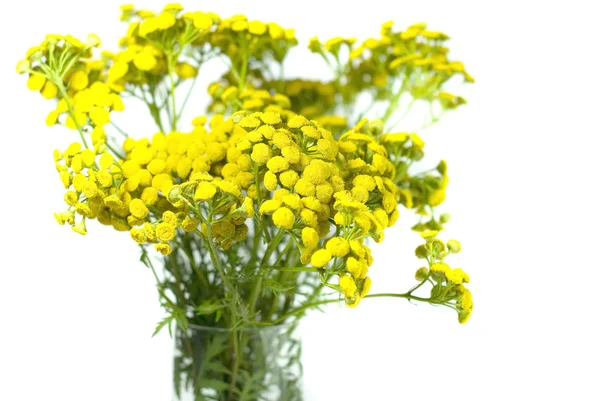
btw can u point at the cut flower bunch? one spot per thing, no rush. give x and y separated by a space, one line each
268 205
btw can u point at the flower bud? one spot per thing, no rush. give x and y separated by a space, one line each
23 66
422 274
422 252
453 246
174 193
94 40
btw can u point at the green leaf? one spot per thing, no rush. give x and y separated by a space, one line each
275 286
215 384
162 324
208 307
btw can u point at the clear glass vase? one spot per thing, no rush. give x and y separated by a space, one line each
250 364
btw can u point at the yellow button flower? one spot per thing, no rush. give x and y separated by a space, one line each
366 287
284 218
138 209
164 248
347 285
165 232
310 238
320 258
289 178
269 206
79 80
305 187
261 153
270 117
277 164
270 181
205 191
338 247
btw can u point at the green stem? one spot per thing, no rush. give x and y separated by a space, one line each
63 93
170 68
293 269
119 130
256 290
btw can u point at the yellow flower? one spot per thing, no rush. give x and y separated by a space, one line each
261 153
79 80
365 181
189 224
163 248
104 178
440 267
347 285
338 247
320 258
185 70
310 238
270 181
71 198
291 154
366 287
270 117
289 178
284 218
149 196
324 192
138 235
277 164
36 82
269 206
229 188
138 209
309 218
437 197
292 201
305 187
165 232
316 172
145 60
257 28
357 268
205 191
80 228
49 91
100 116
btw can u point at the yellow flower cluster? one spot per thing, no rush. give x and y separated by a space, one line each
311 99
154 41
78 83
228 98
416 56
239 38
283 154
449 282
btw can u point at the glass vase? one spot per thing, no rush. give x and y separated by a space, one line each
249 364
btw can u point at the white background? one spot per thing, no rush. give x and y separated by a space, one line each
77 313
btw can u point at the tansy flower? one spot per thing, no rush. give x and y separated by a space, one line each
366 287
284 218
138 209
261 153
163 248
310 238
347 285
165 232
320 258
205 191
338 247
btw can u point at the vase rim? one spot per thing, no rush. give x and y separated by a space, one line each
197 327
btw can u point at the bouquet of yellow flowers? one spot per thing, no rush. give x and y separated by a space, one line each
266 207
